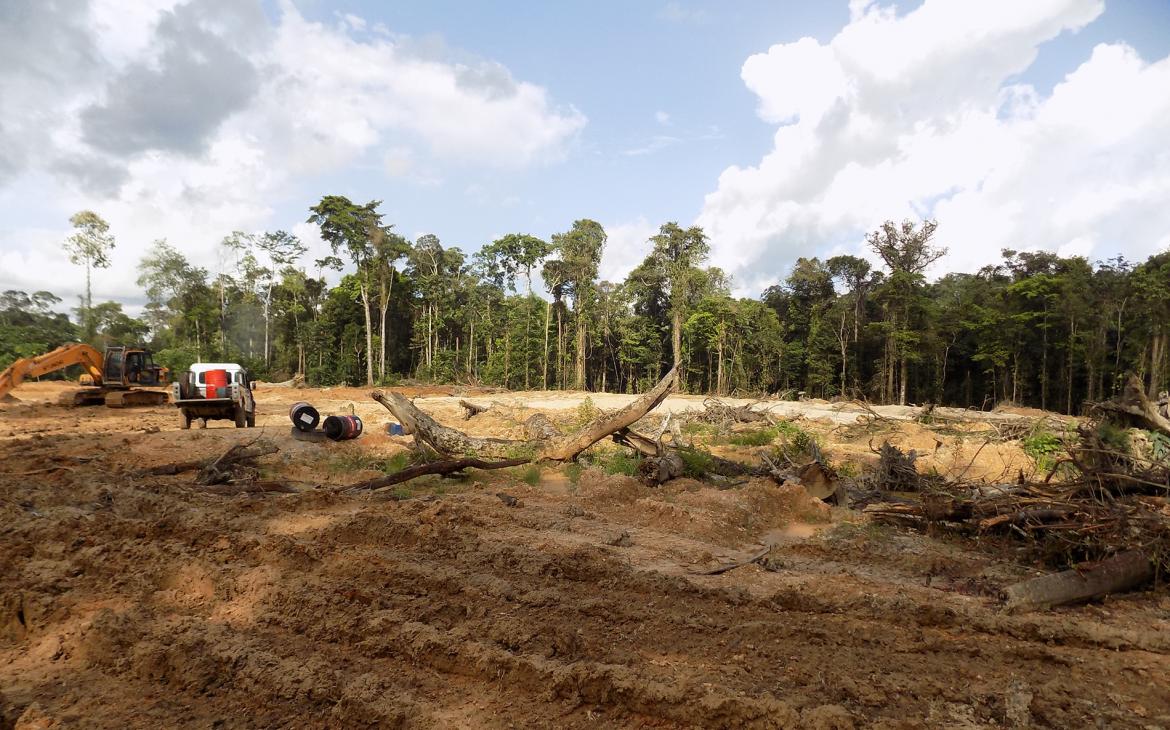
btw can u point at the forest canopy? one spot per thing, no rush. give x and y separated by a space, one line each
1036 329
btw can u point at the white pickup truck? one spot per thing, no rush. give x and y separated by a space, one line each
233 402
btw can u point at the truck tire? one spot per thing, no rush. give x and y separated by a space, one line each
241 417
184 420
251 419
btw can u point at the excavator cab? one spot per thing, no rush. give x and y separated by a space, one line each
132 366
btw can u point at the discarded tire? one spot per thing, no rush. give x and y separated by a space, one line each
304 416
343 428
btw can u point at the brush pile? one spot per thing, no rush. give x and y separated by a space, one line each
1107 499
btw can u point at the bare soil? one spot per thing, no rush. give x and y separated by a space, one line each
130 601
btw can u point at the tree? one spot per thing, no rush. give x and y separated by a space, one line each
580 250
281 249
89 246
353 229
907 251
502 260
389 249
678 252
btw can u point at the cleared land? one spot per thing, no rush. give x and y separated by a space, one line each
148 602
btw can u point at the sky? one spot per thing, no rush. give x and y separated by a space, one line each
784 129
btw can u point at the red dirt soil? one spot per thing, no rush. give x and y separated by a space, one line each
131 601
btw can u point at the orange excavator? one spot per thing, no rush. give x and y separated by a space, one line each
113 377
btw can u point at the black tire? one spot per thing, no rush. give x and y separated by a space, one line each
252 419
184 420
241 417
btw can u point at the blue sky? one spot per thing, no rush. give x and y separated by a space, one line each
1030 125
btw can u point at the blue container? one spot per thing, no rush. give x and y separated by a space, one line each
395 429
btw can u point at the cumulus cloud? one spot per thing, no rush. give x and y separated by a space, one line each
190 119
627 245
919 115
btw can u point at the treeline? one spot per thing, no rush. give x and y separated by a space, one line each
1036 329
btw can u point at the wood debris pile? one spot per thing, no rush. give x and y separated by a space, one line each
1100 507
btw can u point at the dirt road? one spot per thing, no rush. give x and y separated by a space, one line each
130 601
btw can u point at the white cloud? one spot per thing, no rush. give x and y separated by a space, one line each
918 114
626 245
323 100
662 118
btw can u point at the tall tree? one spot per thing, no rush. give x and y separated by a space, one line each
907 251
580 251
89 246
507 257
280 249
352 229
679 252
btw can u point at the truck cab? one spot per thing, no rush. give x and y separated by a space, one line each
196 402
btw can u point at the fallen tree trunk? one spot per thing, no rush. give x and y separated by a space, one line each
451 442
1117 574
435 467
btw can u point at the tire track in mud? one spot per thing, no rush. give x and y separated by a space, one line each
418 614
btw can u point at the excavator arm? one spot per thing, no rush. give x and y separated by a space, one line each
62 357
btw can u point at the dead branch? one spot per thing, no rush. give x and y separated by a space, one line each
471 409
450 466
250 488
240 454
220 470
757 557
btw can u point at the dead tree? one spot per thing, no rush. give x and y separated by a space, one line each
550 445
1134 403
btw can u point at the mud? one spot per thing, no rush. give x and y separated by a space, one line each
144 602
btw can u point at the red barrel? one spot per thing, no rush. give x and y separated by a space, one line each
214 381
304 416
343 428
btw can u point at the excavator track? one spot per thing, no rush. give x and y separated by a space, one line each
131 398
83 397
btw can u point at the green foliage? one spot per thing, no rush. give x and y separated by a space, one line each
758 437
697 463
1043 445
796 444
587 411
618 462
397 462
1113 437
531 475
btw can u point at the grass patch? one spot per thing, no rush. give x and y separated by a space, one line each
695 428
696 462
587 411
796 444
618 462
760 437
531 475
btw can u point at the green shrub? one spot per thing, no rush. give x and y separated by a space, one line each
586 411
531 475
619 462
696 462
1042 446
796 444
761 437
